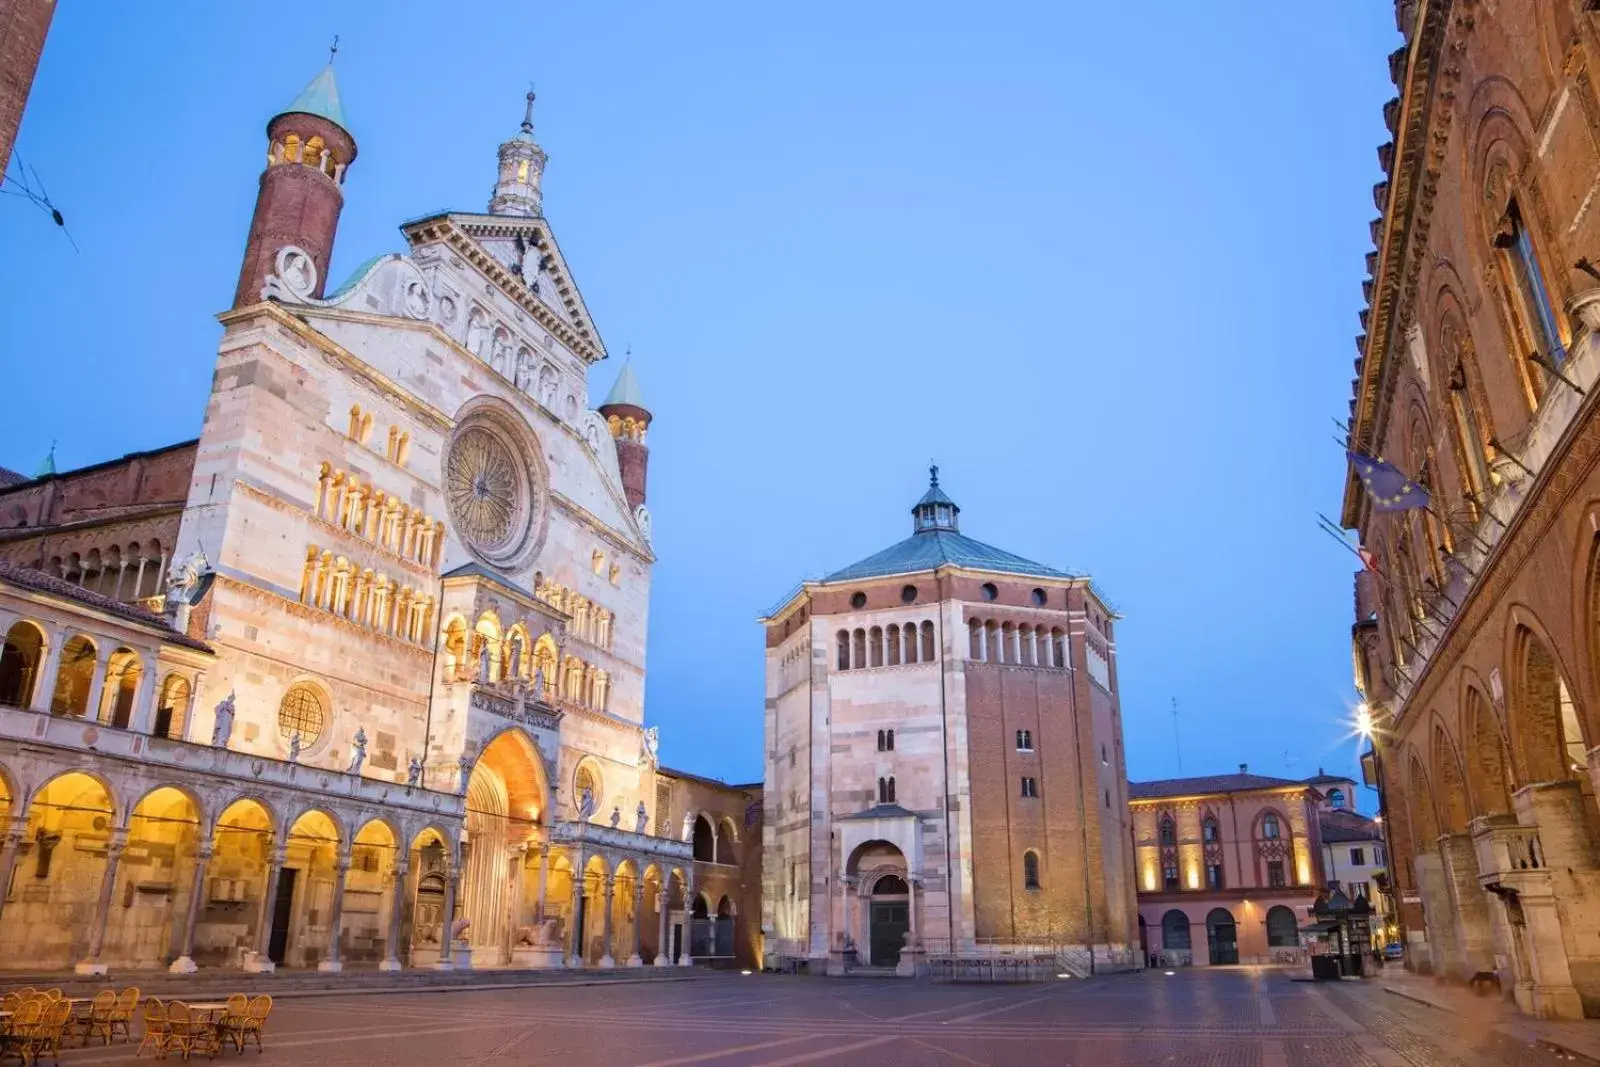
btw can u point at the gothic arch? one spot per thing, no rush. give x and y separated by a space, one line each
1487 754
1454 810
1424 813
1538 697
1586 609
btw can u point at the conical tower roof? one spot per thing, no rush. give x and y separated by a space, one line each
320 98
625 390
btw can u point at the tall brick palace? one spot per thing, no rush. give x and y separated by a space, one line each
945 770
360 674
1477 375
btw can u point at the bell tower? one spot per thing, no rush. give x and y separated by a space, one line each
309 150
628 418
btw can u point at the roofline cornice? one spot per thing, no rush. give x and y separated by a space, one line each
1413 182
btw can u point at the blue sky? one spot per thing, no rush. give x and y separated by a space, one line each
1105 271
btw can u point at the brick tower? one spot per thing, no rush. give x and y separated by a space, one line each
309 151
629 419
23 26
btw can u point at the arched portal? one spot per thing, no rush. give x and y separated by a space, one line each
74 676
235 884
881 873
20 660
1283 931
430 871
124 672
148 921
1175 935
303 903
507 796
592 922
705 840
368 902
1222 937
65 849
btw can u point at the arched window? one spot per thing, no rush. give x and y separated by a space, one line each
892 639
875 640
1024 740
1175 931
1030 869
302 712
858 656
1269 827
19 664
174 702
1282 929
1208 830
704 846
1536 311
889 741
1169 832
890 885
975 649
1336 797
886 790
844 650
927 642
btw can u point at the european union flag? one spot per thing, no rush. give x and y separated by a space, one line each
1390 488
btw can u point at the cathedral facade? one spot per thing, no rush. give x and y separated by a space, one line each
944 768
360 674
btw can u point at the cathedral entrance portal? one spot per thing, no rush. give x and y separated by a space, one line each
507 796
890 920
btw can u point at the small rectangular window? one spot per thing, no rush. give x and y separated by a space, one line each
1103 761
1275 877
1024 740
1169 878
1358 857
1213 876
1030 787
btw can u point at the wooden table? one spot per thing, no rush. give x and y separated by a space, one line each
212 1010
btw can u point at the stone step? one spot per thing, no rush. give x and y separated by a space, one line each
208 984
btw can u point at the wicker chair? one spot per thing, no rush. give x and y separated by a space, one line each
234 1019
98 1019
180 1028
15 1040
44 1036
157 1030
122 1014
255 1020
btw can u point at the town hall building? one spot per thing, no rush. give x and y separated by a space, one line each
944 762
359 675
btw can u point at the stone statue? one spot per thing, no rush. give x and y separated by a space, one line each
414 772
547 934
586 804
641 819
294 747
358 751
616 816
465 765
182 579
499 351
222 727
516 656
651 745
484 662
458 929
477 332
538 684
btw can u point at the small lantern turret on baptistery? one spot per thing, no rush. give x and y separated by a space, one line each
628 418
516 191
309 150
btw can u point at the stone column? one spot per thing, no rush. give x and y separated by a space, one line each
391 947
1550 995
636 960
1439 914
97 685
1474 935
911 953
185 964
341 874
44 687
10 841
607 956
91 964
544 878
663 942
187 733
144 701
447 940
518 860
575 935
258 962
686 957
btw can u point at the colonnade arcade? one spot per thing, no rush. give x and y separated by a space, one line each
107 870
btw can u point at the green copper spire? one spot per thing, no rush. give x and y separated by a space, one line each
320 98
625 390
49 464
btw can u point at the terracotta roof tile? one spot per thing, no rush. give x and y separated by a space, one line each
1211 783
40 582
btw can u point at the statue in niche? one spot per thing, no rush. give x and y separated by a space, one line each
586 804
616 816
650 744
414 772
547 386
485 663
294 747
477 331
358 751
538 684
516 656
500 351
641 819
222 726
524 370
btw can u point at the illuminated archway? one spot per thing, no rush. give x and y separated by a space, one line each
508 793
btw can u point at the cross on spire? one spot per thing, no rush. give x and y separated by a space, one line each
333 49
527 116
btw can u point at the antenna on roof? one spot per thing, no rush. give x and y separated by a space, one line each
1177 739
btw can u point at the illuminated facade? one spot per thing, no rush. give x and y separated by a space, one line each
1229 866
945 770
403 585
1477 630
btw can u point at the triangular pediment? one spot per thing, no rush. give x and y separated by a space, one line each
521 256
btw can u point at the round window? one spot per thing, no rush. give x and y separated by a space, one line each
858 600
302 712
908 594
494 492
1039 597
990 592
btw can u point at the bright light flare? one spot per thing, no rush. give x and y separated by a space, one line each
1363 721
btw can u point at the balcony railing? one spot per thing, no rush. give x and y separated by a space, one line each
1507 851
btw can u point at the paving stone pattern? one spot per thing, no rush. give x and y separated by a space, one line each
1230 1017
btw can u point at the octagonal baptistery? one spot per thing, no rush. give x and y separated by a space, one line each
945 771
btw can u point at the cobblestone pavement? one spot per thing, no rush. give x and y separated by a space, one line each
1213 1017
